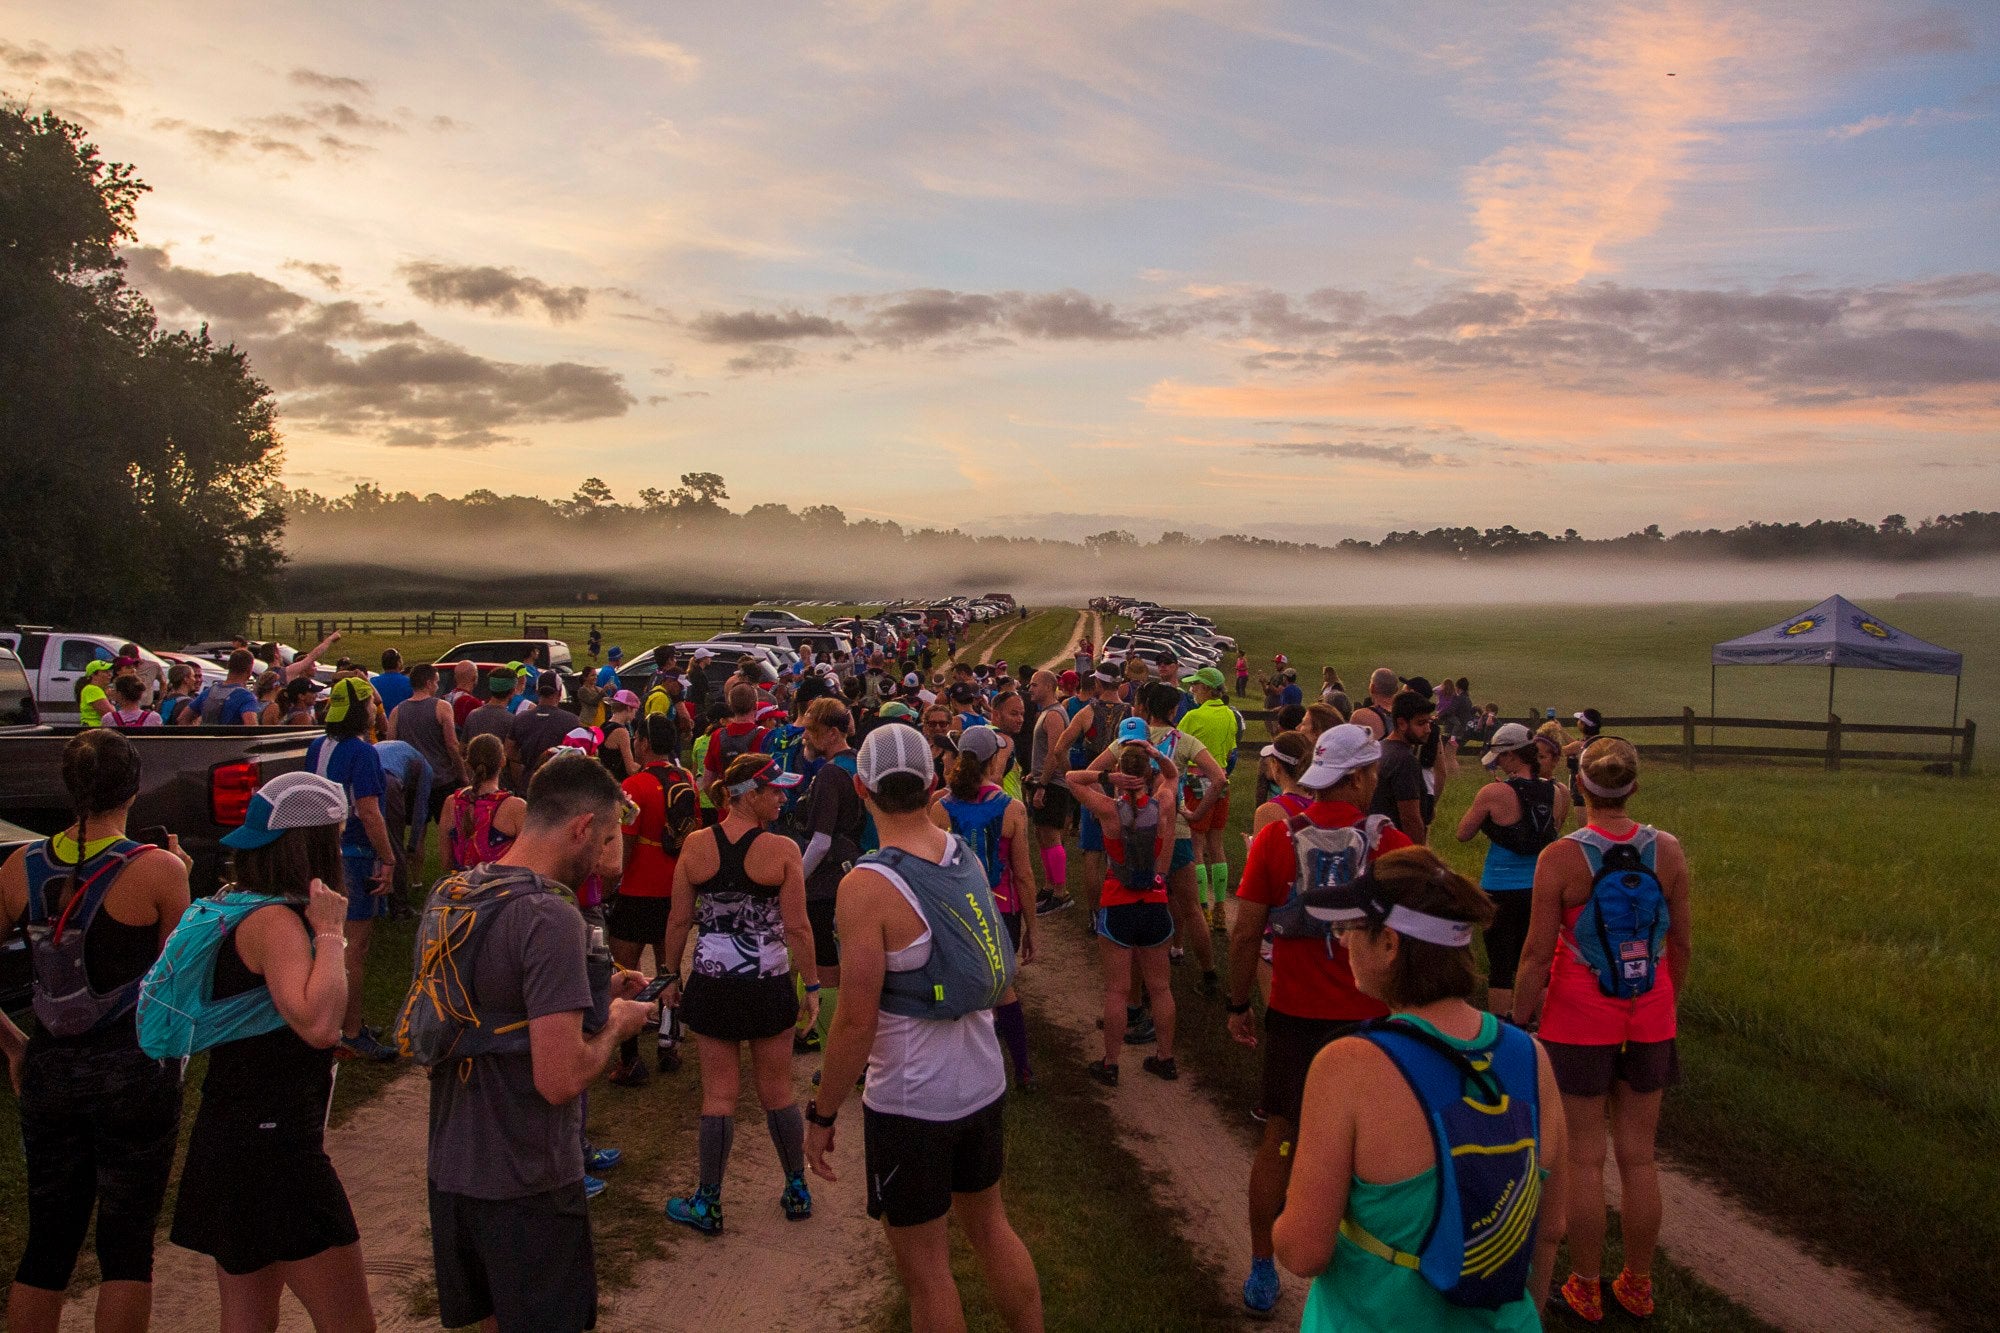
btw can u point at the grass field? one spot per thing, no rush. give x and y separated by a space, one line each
1037 639
1838 1045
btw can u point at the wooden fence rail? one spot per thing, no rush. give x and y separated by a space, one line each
307 630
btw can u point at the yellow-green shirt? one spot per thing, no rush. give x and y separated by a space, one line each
94 704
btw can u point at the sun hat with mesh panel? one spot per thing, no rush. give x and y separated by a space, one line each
286 802
893 749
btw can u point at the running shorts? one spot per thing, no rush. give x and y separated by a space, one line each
525 1262
826 944
356 875
1216 818
1290 1043
1089 833
739 1008
915 1166
1183 855
1506 935
1012 921
1136 925
1589 1071
1056 806
633 920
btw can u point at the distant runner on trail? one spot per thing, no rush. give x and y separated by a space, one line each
1049 799
1520 815
1608 950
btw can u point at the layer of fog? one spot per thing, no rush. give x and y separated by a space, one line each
733 562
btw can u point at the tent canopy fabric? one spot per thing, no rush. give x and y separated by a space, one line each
1837 633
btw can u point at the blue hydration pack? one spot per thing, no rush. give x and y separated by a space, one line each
1623 926
1484 1112
178 1011
972 957
979 824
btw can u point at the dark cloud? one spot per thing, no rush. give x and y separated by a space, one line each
81 83
931 312
337 84
1066 316
752 326
329 275
764 357
336 365
483 287
229 143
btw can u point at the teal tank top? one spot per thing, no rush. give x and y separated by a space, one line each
1359 1293
1506 871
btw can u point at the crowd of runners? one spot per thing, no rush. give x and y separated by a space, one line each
856 860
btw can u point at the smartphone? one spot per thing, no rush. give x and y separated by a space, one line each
156 834
653 990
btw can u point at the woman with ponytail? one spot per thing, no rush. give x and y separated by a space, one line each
99 1120
482 817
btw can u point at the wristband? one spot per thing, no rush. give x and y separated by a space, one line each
813 1115
1235 1009
672 978
812 988
329 935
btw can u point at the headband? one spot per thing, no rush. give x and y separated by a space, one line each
1358 902
1607 793
751 783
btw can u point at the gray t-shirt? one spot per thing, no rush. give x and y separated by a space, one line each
1402 778
540 729
493 1136
489 719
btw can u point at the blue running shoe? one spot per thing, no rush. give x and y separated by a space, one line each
596 1160
1260 1289
592 1187
797 1200
701 1210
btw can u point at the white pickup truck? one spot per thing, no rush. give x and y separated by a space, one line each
55 659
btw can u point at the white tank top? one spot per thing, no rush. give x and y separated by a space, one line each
925 1068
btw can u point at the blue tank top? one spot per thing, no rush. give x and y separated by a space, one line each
978 824
1505 871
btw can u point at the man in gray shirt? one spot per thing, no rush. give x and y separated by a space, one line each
510 1230
1399 793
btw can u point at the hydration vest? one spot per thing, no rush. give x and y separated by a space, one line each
178 1011
979 823
1139 835
1328 859
65 1002
1536 828
1622 928
972 957
483 844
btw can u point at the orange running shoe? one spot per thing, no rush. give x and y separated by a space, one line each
1583 1298
1633 1293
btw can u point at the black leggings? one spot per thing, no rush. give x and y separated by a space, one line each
99 1125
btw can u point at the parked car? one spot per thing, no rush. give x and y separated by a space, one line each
770 618
16 979
55 659
825 643
17 693
499 652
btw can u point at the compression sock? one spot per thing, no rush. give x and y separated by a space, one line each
1011 1021
670 1029
718 1135
1218 882
1204 886
1055 860
829 1000
788 1134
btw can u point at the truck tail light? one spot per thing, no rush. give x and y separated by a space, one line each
230 787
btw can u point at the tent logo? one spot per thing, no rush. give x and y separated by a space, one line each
1869 627
1805 626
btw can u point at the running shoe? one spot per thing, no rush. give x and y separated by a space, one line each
1260 1289
1025 1081
1165 1067
365 1045
592 1187
596 1160
797 1200
1258 1114
1633 1293
805 1043
1103 1073
668 1061
1217 922
1581 1298
1142 1032
1052 902
630 1073
1175 955
701 1210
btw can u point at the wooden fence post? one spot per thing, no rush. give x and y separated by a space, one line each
1965 749
1833 742
1687 737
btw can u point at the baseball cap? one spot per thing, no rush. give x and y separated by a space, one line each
913 680
1339 751
766 710
963 694
95 665
1552 715
347 694
1068 680
1133 729
548 683
1418 685
1208 676
703 655
981 742
887 751
1507 736
894 709
625 699
288 801
586 739
616 653
1280 658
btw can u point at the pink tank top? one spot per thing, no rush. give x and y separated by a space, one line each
1577 1012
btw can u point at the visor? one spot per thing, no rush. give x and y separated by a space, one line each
1359 903
770 775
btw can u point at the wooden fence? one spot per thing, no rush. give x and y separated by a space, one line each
308 630
1696 740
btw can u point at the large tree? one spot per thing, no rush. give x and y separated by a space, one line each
136 465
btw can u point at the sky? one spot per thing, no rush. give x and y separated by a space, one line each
1307 270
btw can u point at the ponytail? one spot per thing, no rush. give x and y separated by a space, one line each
100 771
967 777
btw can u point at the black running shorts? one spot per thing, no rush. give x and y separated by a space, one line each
527 1262
1290 1043
1589 1071
633 920
915 1166
1056 807
826 942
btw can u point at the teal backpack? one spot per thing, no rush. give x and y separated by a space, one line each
178 1012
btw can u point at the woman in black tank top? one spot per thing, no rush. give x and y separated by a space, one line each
258 1191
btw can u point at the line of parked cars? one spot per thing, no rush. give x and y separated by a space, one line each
1157 632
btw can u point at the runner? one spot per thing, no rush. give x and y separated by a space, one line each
131 713
1091 728
425 721
482 817
494 717
738 736
932 1109
1374 712
392 686
617 751
606 678
1134 920
1049 801
1242 674
1333 693
257 1192
1520 815
465 693
93 699
1400 792
228 702
266 687
181 680
995 826
99 1119
1368 1187
834 824
1219 728
664 793
1607 1012
742 890
1313 996
537 730
1281 764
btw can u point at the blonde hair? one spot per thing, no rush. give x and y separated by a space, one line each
1607 764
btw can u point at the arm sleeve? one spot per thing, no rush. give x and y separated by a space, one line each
816 851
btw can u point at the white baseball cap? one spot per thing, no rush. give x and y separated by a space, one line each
1508 736
288 801
1339 751
888 750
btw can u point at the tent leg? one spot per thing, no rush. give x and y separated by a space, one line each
1957 749
1829 689
1711 703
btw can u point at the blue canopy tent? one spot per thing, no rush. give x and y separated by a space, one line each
1836 634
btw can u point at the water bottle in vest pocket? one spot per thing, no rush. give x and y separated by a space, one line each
1484 1115
972 957
1329 859
1622 928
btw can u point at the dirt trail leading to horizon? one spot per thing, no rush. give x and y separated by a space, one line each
1066 656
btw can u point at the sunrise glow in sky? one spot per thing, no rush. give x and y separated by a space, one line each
1308 270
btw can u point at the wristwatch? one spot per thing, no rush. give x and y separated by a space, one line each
813 1115
1242 1008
